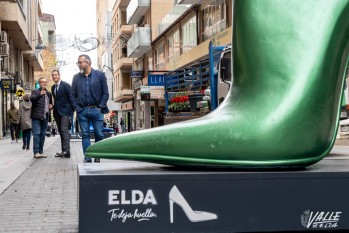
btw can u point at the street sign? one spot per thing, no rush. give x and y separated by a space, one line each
137 74
6 84
20 92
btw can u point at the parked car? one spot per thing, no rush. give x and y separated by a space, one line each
108 132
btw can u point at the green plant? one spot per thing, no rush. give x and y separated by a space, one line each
180 102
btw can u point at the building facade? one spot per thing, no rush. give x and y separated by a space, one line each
20 32
48 25
153 37
105 53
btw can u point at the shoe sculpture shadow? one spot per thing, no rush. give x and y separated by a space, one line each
290 60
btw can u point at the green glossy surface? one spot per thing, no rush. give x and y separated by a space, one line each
289 64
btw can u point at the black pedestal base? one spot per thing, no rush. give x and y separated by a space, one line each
139 197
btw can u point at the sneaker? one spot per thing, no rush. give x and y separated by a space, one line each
13 141
97 160
37 155
16 140
87 160
44 155
27 148
23 147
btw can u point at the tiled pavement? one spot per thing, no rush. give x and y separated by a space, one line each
44 197
40 195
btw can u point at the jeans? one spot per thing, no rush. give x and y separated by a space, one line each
26 134
39 133
63 129
14 128
86 117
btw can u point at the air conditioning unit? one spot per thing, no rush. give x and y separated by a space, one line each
3 37
5 63
4 49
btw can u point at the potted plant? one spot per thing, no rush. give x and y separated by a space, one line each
179 103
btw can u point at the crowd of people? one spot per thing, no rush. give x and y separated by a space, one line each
88 96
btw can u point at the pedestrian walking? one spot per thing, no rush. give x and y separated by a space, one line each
62 111
116 128
41 105
25 121
54 128
12 116
89 94
122 125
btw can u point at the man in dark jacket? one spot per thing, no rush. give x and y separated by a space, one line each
89 95
41 105
62 111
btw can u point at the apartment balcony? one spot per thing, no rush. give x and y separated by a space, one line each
13 21
124 3
41 34
176 12
136 10
123 95
35 60
189 1
126 29
139 43
124 63
40 13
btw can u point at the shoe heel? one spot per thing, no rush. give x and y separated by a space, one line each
171 210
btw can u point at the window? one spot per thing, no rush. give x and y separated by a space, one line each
174 46
150 63
160 57
126 81
189 35
23 7
214 19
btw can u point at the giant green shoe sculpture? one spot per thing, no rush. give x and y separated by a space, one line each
289 63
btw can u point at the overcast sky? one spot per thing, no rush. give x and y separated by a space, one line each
72 17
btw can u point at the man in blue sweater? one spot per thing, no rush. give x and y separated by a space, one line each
89 96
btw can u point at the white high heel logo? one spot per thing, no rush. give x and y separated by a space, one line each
193 215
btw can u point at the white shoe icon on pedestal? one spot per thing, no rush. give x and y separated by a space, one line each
193 215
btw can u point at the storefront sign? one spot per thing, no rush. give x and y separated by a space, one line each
156 80
137 74
157 92
137 84
6 84
127 105
222 38
145 93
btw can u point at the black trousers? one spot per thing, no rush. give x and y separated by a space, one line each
15 131
63 129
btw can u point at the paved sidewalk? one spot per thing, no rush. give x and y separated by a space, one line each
14 161
44 197
40 195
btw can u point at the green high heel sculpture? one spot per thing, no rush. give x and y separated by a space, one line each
289 63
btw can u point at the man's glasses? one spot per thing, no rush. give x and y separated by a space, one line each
80 62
